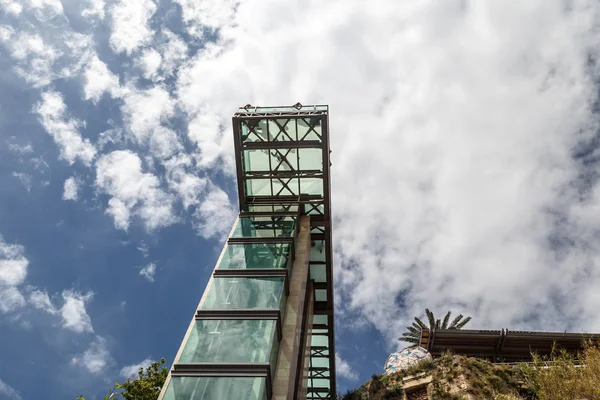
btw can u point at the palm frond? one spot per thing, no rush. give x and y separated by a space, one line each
455 321
463 323
414 330
438 324
431 318
446 318
409 340
421 323
417 326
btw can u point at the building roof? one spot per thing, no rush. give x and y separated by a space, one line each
501 345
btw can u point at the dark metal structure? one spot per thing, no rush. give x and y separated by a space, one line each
501 345
283 169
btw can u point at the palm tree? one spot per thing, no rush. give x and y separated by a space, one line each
413 332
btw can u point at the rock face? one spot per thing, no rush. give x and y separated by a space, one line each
446 378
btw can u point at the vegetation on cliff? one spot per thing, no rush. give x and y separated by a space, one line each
562 376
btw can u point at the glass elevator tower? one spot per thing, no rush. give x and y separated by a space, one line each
264 327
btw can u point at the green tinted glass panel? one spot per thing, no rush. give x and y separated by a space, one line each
320 319
256 160
317 250
231 341
282 130
321 383
310 210
320 362
309 128
267 227
213 388
318 272
291 208
244 293
318 340
255 255
254 131
312 186
311 159
258 187
320 295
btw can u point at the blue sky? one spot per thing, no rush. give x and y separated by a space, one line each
464 177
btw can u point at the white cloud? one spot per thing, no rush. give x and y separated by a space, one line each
52 8
11 6
99 79
95 8
215 214
343 369
148 272
133 192
13 271
8 391
40 300
33 58
150 62
130 24
131 371
24 178
143 248
70 189
6 33
11 299
455 137
73 312
20 149
144 111
184 180
173 49
96 358
208 14
52 114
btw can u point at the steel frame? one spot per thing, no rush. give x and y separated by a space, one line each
320 218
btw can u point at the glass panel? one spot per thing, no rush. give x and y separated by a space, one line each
320 295
311 186
285 187
311 159
321 383
256 160
244 293
317 250
318 272
282 129
284 160
254 131
258 187
230 341
317 340
310 210
320 319
267 227
320 362
309 128
212 388
255 255
291 208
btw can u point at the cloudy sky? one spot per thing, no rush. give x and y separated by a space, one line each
465 169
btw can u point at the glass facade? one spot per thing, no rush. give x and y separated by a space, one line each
231 349
231 341
264 227
245 293
213 388
256 256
